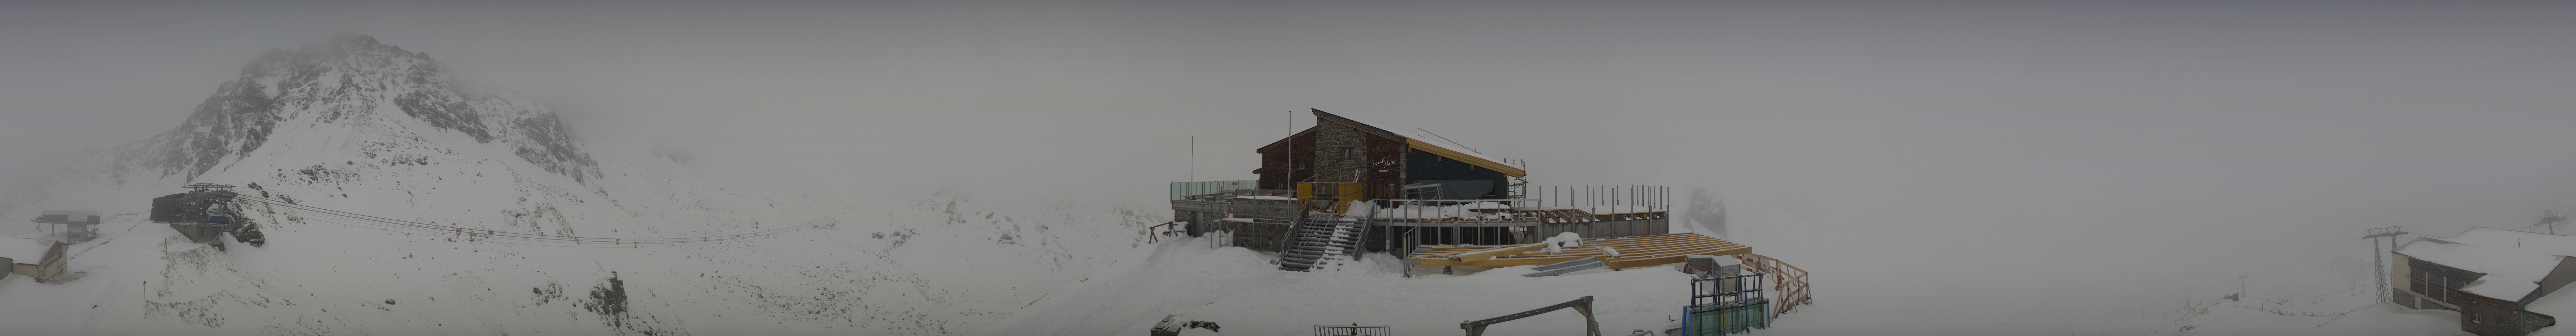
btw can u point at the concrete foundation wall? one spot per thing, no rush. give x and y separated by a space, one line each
1263 237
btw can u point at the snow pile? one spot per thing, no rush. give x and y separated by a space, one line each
1236 288
1563 240
24 250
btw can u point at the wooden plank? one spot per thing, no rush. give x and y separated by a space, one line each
1717 252
1490 254
1638 251
1643 262
1696 245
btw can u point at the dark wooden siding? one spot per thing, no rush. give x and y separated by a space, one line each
1301 158
1274 168
2497 317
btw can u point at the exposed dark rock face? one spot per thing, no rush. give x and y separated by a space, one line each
609 300
249 234
351 79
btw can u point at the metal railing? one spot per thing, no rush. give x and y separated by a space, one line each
1791 281
1352 330
1602 199
1184 190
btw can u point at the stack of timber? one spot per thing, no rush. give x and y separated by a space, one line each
1615 253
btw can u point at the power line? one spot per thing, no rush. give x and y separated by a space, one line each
303 212
2313 256
480 236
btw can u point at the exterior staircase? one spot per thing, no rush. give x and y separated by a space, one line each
1322 243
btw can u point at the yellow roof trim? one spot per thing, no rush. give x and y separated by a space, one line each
1463 157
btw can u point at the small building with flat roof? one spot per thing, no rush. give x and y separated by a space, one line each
39 258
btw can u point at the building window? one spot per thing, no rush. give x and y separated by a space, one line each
1350 154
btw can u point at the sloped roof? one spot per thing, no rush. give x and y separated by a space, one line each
25 250
1283 141
1418 142
2511 274
2528 242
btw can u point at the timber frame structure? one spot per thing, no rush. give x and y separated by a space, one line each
1616 252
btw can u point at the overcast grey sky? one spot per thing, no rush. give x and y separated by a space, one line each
2088 136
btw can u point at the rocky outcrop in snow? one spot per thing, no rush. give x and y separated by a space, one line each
352 79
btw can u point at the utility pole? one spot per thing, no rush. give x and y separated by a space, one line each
2240 281
2551 219
1194 158
2378 261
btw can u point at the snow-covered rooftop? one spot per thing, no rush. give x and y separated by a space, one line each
2532 242
2511 272
24 250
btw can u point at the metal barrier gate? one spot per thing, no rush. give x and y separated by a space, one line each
1720 305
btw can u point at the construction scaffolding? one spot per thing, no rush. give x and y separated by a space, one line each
1615 252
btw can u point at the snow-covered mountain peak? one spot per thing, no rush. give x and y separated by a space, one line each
355 83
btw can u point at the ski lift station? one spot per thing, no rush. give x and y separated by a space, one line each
2494 277
75 226
1344 190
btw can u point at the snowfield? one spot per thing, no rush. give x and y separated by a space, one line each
356 126
1240 290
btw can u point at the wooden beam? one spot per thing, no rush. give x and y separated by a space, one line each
1643 262
1490 254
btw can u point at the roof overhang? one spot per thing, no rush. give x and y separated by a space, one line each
1464 157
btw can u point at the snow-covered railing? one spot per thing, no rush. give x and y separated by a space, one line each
1446 211
1187 190
1600 199
1791 283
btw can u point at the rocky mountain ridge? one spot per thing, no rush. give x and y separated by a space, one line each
352 79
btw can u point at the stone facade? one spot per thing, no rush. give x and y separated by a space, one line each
1330 139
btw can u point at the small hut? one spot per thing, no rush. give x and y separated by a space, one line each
39 258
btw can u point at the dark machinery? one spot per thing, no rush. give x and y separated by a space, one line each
203 214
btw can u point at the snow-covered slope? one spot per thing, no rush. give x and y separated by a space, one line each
359 126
